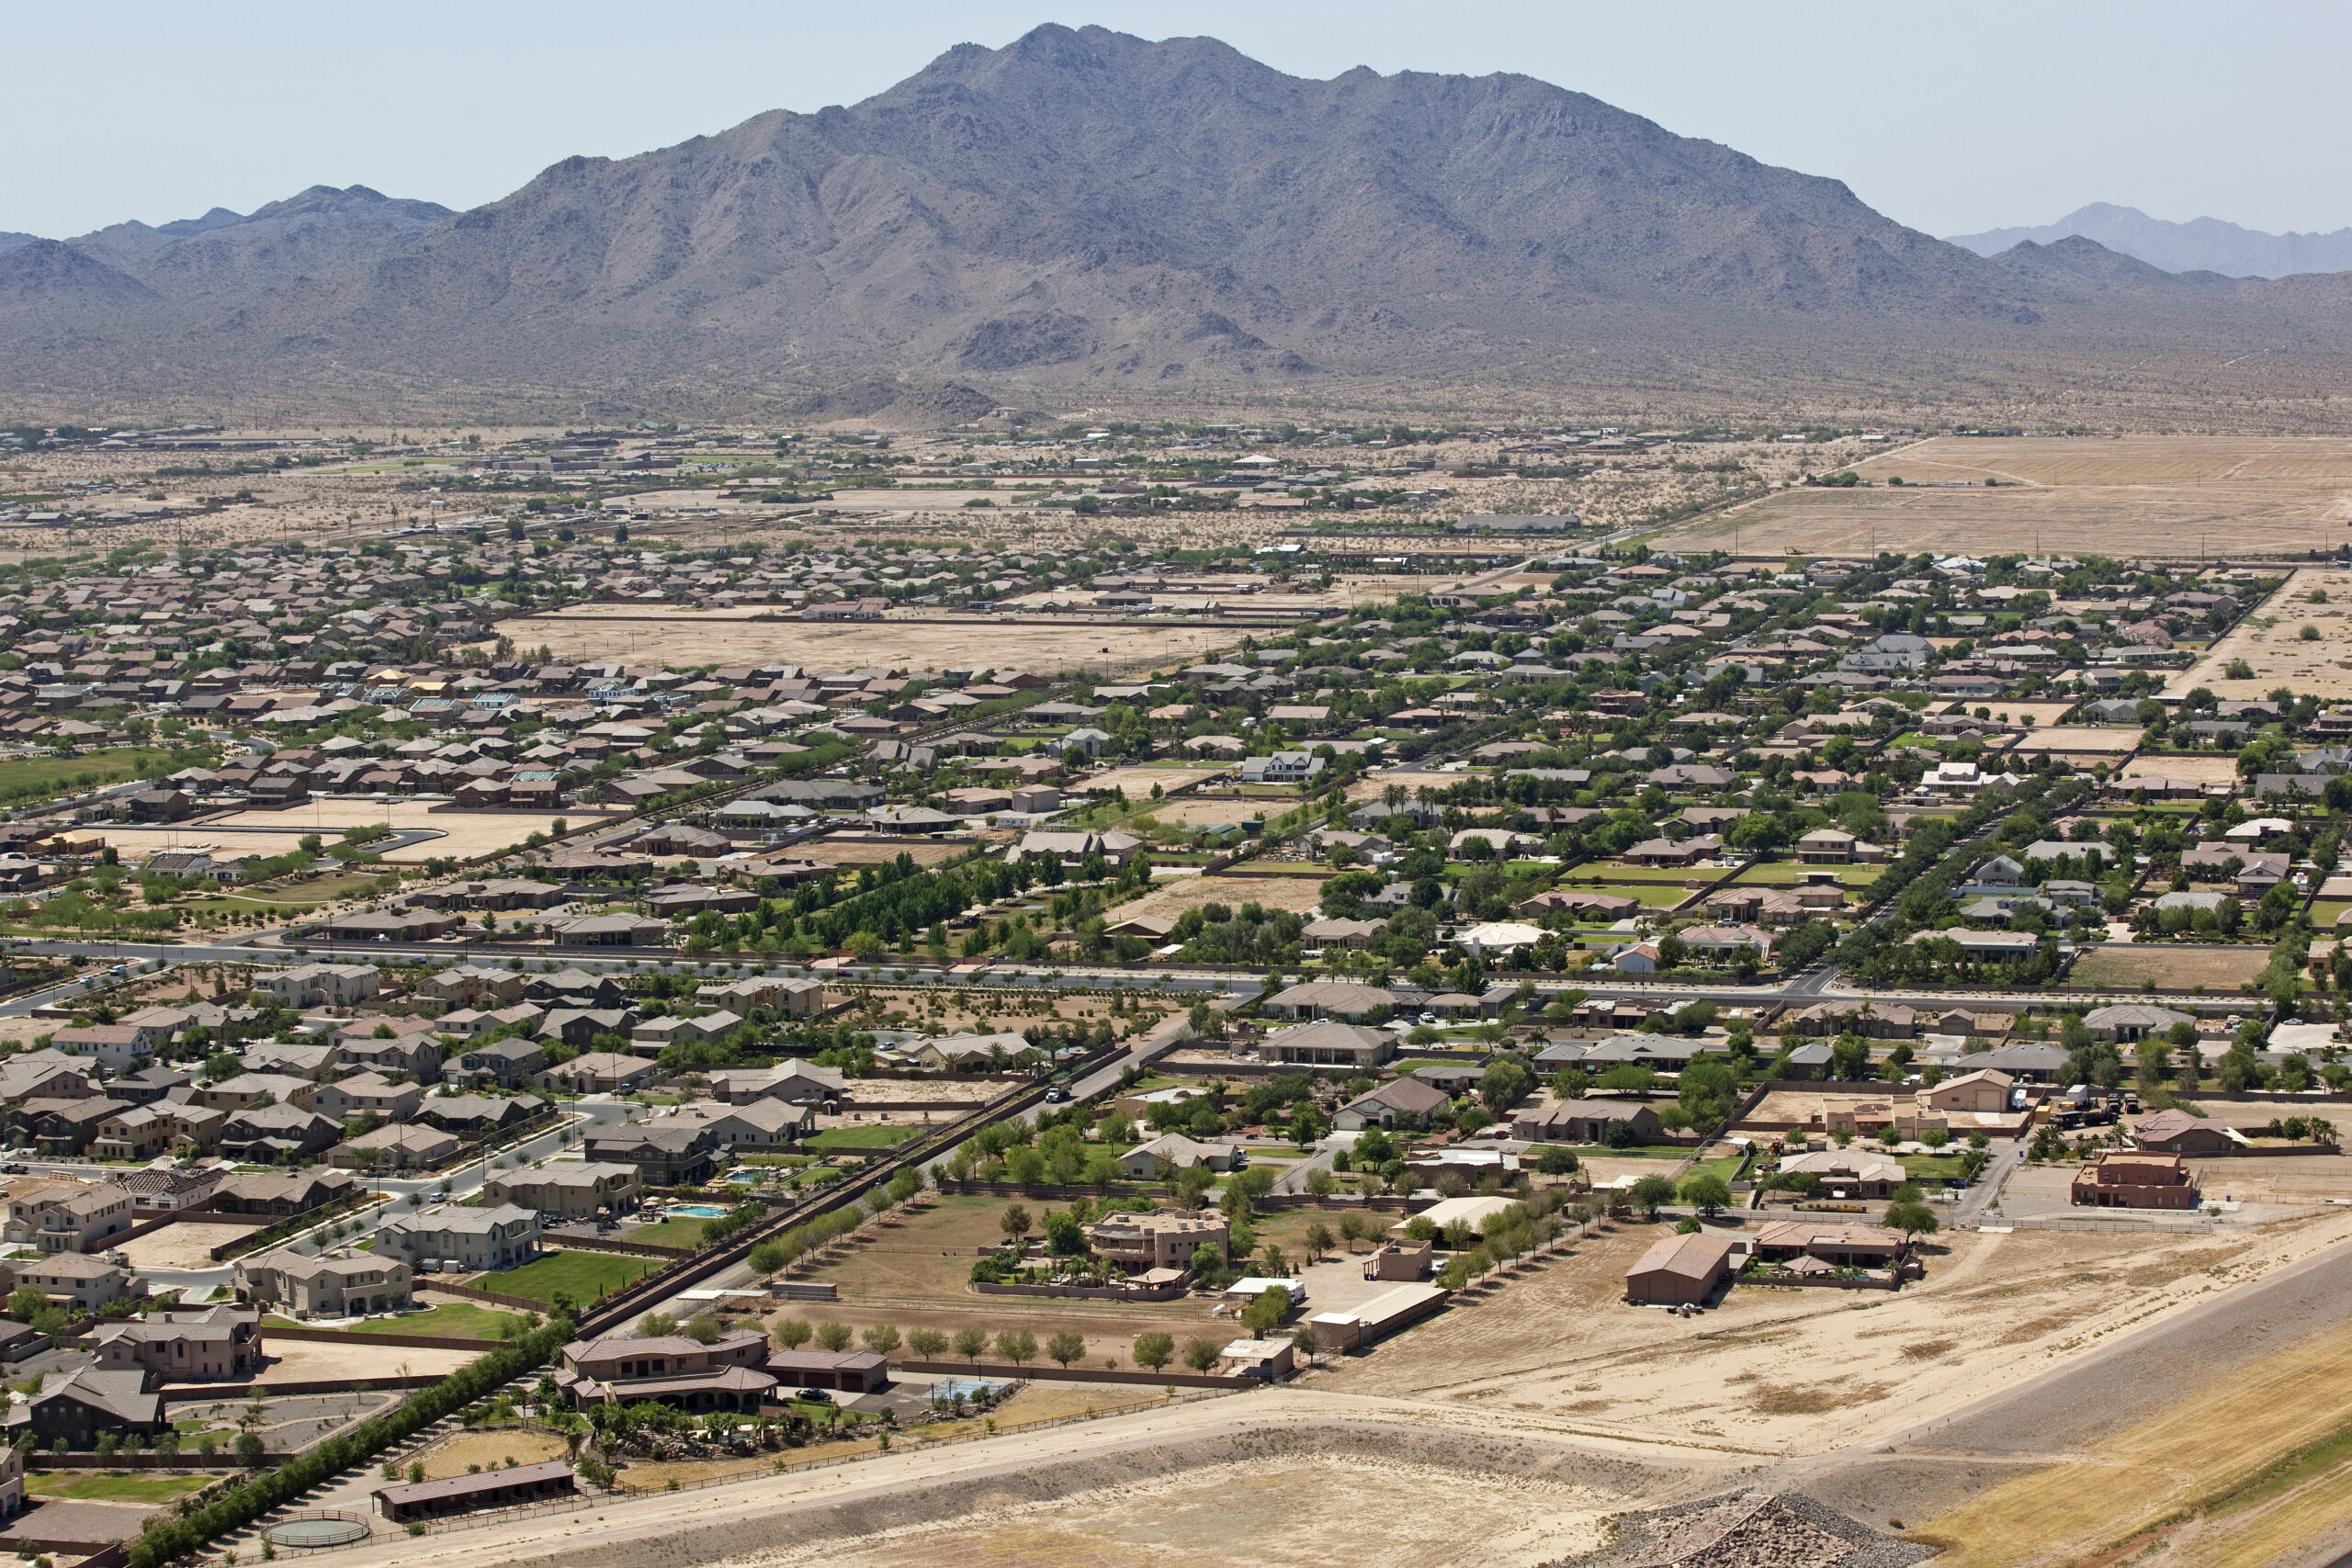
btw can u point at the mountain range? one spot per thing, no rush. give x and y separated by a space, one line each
2204 244
1084 218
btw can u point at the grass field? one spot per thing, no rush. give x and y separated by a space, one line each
49 775
2124 966
683 1231
99 1487
457 1320
878 1135
582 1276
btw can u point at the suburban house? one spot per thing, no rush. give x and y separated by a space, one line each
461 1240
1399 1102
2135 1179
187 1346
77 1407
1330 999
1329 1043
1585 1121
669 1155
320 984
727 1374
1680 1270
1849 1173
58 1215
1142 1163
347 1284
1156 1240
2178 1132
569 1189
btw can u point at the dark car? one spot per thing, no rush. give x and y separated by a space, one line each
814 1396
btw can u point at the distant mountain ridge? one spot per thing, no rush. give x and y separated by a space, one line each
1084 218
2204 244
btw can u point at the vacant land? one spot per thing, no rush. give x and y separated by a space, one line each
315 1360
1137 782
582 1276
682 638
449 1320
2170 496
2127 965
877 851
29 777
2271 643
1173 897
183 1244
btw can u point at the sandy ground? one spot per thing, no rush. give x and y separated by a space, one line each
463 833
2220 767
1206 813
315 1360
1172 898
980 1009
489 1450
2275 650
183 1244
2125 964
716 637
2078 737
2175 497
876 852
1138 782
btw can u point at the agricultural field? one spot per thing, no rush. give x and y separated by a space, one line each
2127 965
2172 496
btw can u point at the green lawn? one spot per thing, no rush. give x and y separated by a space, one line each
879 1135
98 1487
683 1231
1678 875
582 1276
458 1320
1932 1167
49 774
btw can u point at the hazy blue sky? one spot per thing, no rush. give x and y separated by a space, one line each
1949 118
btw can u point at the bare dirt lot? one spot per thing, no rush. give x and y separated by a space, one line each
461 833
2271 642
682 639
981 1009
877 851
2123 965
489 1450
312 1361
2218 769
1138 782
2162 495
183 1244
1173 897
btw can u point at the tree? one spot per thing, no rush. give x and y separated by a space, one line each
1556 1160
1352 1229
251 1449
1064 1238
882 1338
1706 1192
702 1328
1154 1351
1261 1316
1014 1223
972 1344
1319 1239
1503 1084
1653 1193
1321 1183
1066 1346
834 1336
1017 1345
1912 1219
1850 1058
792 1333
1200 1354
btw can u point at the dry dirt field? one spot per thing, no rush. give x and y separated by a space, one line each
2270 640
2220 767
1137 781
463 833
184 1244
2080 739
313 1361
1173 897
877 851
2123 964
2173 496
681 639
489 1450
